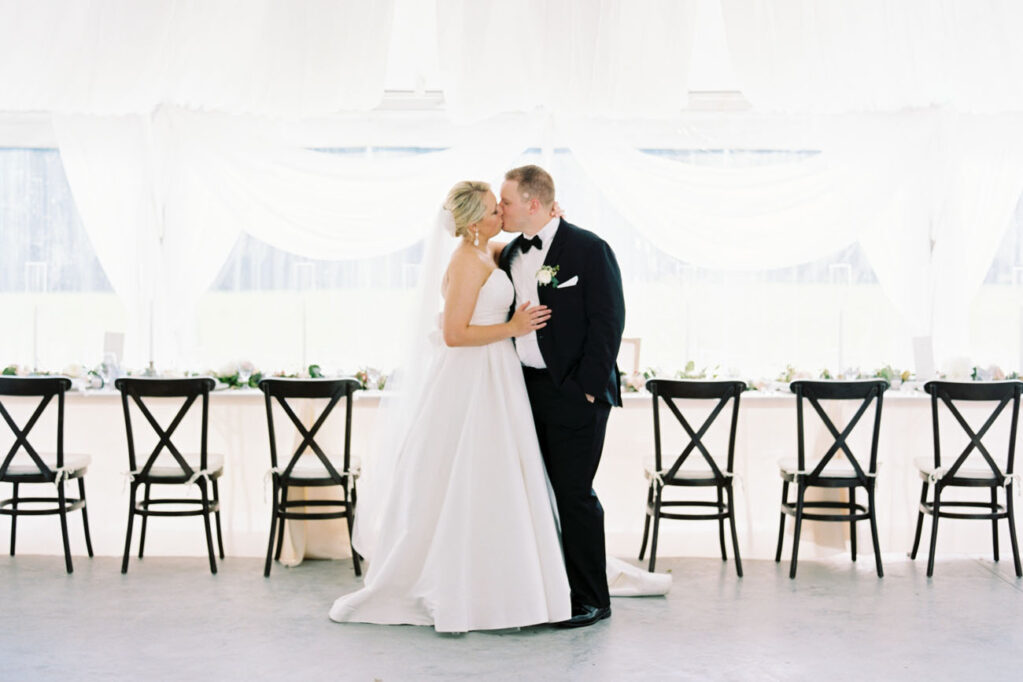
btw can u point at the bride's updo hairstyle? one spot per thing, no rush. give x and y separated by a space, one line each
466 203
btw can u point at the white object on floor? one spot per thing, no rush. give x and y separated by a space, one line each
626 580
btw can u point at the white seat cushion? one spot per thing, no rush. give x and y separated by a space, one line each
682 474
926 467
167 467
23 464
835 468
309 466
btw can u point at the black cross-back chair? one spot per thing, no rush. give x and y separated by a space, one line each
984 474
313 468
202 469
56 468
711 472
829 472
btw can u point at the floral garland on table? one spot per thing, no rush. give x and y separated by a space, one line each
235 375
904 379
245 375
239 375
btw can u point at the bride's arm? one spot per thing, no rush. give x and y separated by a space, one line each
465 279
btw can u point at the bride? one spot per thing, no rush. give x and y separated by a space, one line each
456 514
466 536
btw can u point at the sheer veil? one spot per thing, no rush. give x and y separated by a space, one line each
406 387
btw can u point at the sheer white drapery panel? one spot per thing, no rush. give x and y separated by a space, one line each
932 248
982 181
606 58
267 57
164 198
877 55
754 217
157 226
927 194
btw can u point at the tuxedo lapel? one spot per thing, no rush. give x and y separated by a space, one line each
558 244
504 262
554 253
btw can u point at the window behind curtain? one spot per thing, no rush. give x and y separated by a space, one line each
39 224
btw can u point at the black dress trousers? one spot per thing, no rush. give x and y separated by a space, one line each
571 434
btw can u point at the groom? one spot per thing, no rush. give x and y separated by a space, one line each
569 367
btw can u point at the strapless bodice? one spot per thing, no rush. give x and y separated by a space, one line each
494 300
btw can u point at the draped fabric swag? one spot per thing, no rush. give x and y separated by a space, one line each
166 116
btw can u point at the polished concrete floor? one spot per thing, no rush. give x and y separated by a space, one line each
169 619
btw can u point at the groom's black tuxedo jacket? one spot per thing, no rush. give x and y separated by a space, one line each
580 342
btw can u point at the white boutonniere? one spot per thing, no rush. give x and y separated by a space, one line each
547 275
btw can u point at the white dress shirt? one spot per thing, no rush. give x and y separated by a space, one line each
524 267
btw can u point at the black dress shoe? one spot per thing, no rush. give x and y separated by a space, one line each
585 615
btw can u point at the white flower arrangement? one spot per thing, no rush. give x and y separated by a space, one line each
547 275
73 371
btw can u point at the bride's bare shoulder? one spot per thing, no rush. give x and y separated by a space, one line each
467 265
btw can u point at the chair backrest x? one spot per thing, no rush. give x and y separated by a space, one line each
669 390
951 392
44 388
191 389
333 390
815 391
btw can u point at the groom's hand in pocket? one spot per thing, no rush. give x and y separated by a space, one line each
590 398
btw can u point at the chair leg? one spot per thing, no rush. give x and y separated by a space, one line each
145 520
356 559
62 501
873 532
800 493
220 533
273 527
934 530
781 524
350 518
206 523
721 525
131 519
280 522
85 515
646 519
14 517
852 523
919 522
1012 533
735 538
657 527
994 522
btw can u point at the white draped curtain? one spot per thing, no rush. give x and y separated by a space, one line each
761 216
270 57
164 198
877 55
600 57
165 114
958 61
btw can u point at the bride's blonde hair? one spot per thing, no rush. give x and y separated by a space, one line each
466 203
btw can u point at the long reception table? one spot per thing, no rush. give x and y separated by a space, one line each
94 424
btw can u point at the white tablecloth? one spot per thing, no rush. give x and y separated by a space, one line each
767 433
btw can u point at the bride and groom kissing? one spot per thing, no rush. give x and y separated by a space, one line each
489 519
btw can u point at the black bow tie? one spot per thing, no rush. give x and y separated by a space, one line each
527 244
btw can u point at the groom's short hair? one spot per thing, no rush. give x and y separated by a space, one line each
534 183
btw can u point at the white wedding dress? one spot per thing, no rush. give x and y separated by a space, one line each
468 539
